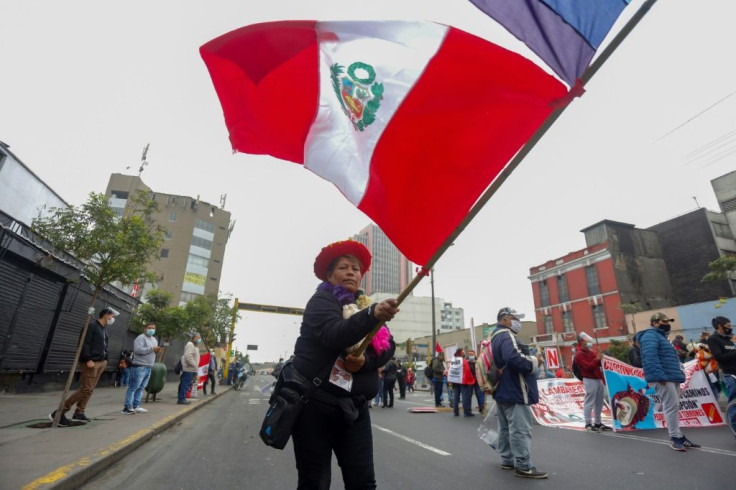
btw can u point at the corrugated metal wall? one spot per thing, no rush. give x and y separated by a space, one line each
42 316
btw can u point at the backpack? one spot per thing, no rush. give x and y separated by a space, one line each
576 370
487 373
178 367
428 371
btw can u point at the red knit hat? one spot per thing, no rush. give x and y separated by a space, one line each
338 249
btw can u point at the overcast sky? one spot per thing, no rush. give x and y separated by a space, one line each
86 84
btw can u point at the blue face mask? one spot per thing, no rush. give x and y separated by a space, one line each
151 332
589 345
199 340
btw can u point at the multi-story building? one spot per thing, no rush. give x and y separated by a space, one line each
689 243
590 290
452 318
390 270
23 195
191 256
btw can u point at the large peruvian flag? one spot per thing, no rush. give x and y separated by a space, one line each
410 120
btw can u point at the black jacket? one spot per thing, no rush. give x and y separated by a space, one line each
724 351
324 336
389 370
95 343
635 356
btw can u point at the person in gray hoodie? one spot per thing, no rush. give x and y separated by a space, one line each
145 348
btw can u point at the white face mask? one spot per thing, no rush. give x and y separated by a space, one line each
515 326
111 320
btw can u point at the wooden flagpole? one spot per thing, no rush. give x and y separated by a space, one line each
511 166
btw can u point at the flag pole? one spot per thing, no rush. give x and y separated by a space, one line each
511 166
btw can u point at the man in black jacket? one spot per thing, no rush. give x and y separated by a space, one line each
389 380
92 363
722 347
401 379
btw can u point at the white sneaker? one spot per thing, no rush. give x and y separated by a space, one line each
140 410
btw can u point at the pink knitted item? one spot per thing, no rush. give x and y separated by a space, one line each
380 341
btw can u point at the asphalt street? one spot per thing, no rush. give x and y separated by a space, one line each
218 447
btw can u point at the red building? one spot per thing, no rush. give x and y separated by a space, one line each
584 291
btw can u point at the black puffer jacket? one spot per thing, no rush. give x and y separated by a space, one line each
324 336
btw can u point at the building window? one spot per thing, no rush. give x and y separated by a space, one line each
592 277
544 293
164 253
187 297
567 321
204 225
202 243
549 327
169 234
172 216
119 194
722 230
197 260
562 288
599 316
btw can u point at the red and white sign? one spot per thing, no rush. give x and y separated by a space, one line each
561 404
553 357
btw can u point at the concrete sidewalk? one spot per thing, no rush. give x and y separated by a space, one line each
66 457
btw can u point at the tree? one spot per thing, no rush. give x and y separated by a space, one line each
225 315
110 248
720 269
170 320
619 350
630 309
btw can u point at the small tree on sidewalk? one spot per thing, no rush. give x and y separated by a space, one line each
110 248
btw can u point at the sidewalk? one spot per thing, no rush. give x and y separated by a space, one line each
66 457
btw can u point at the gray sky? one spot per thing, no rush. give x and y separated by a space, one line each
86 84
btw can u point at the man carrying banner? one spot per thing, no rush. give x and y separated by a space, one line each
724 350
662 369
590 368
515 394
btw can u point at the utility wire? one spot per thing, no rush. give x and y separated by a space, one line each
696 116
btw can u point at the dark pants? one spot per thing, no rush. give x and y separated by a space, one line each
184 383
479 395
437 392
402 387
466 393
322 429
388 392
211 379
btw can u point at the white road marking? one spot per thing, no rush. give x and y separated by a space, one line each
713 450
254 401
413 441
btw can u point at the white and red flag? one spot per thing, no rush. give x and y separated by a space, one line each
203 369
410 120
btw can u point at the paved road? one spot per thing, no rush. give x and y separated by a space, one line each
218 447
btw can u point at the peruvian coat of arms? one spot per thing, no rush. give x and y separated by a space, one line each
358 92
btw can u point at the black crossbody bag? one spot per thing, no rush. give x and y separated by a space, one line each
291 393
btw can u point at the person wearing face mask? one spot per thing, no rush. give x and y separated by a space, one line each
92 363
662 369
475 388
145 348
589 361
515 394
724 351
189 367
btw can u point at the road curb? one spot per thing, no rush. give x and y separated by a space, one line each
86 468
